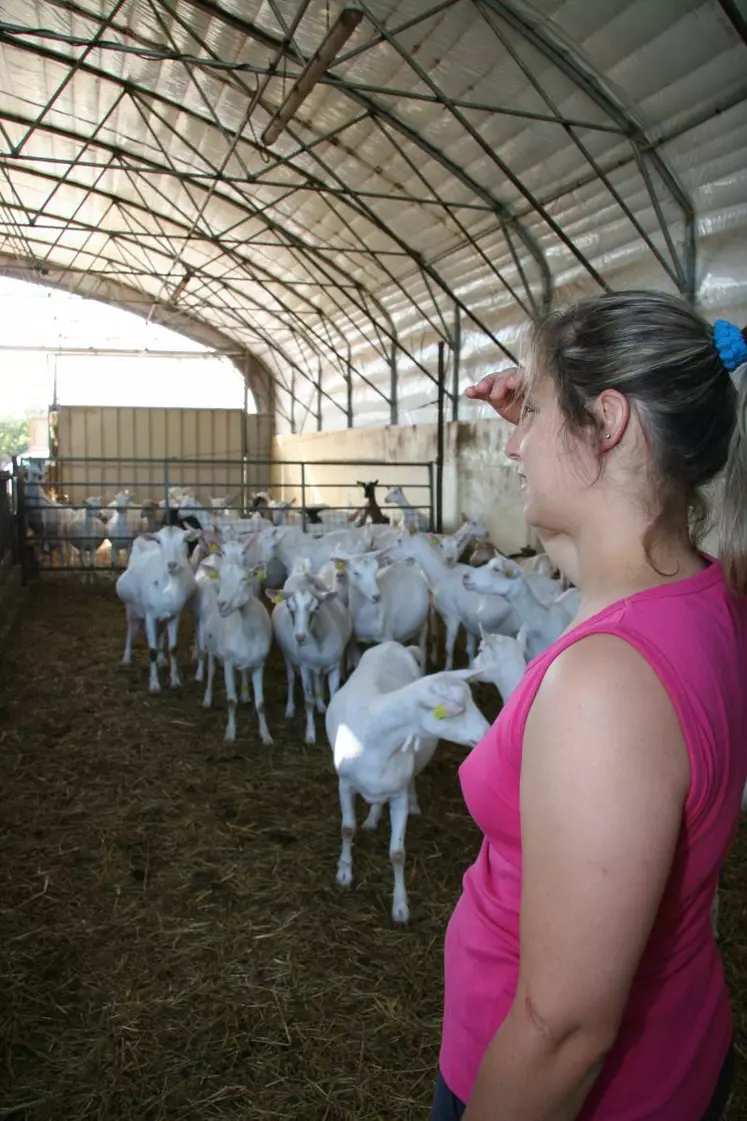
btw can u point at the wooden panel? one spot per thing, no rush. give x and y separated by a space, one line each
149 446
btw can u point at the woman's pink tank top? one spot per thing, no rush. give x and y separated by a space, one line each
677 1024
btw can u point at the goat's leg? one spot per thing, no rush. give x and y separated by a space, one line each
290 705
259 703
319 691
413 806
347 810
151 633
398 811
199 651
133 626
333 680
307 677
452 630
471 648
374 816
207 700
423 644
229 675
246 697
172 628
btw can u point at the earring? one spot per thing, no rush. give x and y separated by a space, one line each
608 436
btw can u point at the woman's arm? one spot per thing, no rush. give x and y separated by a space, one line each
605 774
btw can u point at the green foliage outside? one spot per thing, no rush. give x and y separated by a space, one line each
14 435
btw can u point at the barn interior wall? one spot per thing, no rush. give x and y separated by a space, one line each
477 476
137 441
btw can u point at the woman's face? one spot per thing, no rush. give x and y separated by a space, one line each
554 465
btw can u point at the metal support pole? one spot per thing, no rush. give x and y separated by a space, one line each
456 352
20 520
319 403
303 496
431 503
440 438
166 484
349 389
244 447
393 388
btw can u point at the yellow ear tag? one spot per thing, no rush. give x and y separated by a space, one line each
412 530
510 574
277 599
212 573
340 565
213 547
439 712
261 574
434 540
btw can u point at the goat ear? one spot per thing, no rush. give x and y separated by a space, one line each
522 638
445 709
484 633
468 675
275 595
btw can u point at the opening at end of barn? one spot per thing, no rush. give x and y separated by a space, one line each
364 367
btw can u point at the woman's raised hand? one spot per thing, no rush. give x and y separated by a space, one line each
502 391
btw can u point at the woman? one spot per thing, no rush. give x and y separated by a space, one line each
582 978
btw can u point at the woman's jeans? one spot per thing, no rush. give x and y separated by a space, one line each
448 1107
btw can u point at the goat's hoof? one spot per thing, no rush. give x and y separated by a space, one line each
344 875
155 688
207 703
126 662
230 737
414 810
370 824
290 713
400 913
162 661
267 739
309 739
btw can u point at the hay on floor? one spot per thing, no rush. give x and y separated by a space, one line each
172 942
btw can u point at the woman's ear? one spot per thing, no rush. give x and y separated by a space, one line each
612 412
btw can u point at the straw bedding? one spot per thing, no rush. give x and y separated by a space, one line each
172 941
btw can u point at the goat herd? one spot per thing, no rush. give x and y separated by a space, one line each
376 585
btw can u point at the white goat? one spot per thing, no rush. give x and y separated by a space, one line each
502 660
236 629
312 628
411 518
155 586
125 525
390 603
455 603
383 726
46 518
545 619
86 531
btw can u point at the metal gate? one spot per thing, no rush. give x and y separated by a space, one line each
327 489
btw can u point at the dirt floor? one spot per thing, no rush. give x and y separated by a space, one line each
172 941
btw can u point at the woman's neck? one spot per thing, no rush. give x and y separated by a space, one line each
607 560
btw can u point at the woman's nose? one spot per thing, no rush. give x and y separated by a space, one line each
512 447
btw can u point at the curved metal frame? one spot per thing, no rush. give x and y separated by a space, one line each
317 337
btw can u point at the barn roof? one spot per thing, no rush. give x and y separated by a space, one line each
457 167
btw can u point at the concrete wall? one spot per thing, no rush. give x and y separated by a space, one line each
477 476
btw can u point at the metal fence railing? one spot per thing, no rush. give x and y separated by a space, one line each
324 495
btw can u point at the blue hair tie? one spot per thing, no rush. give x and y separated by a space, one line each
730 344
